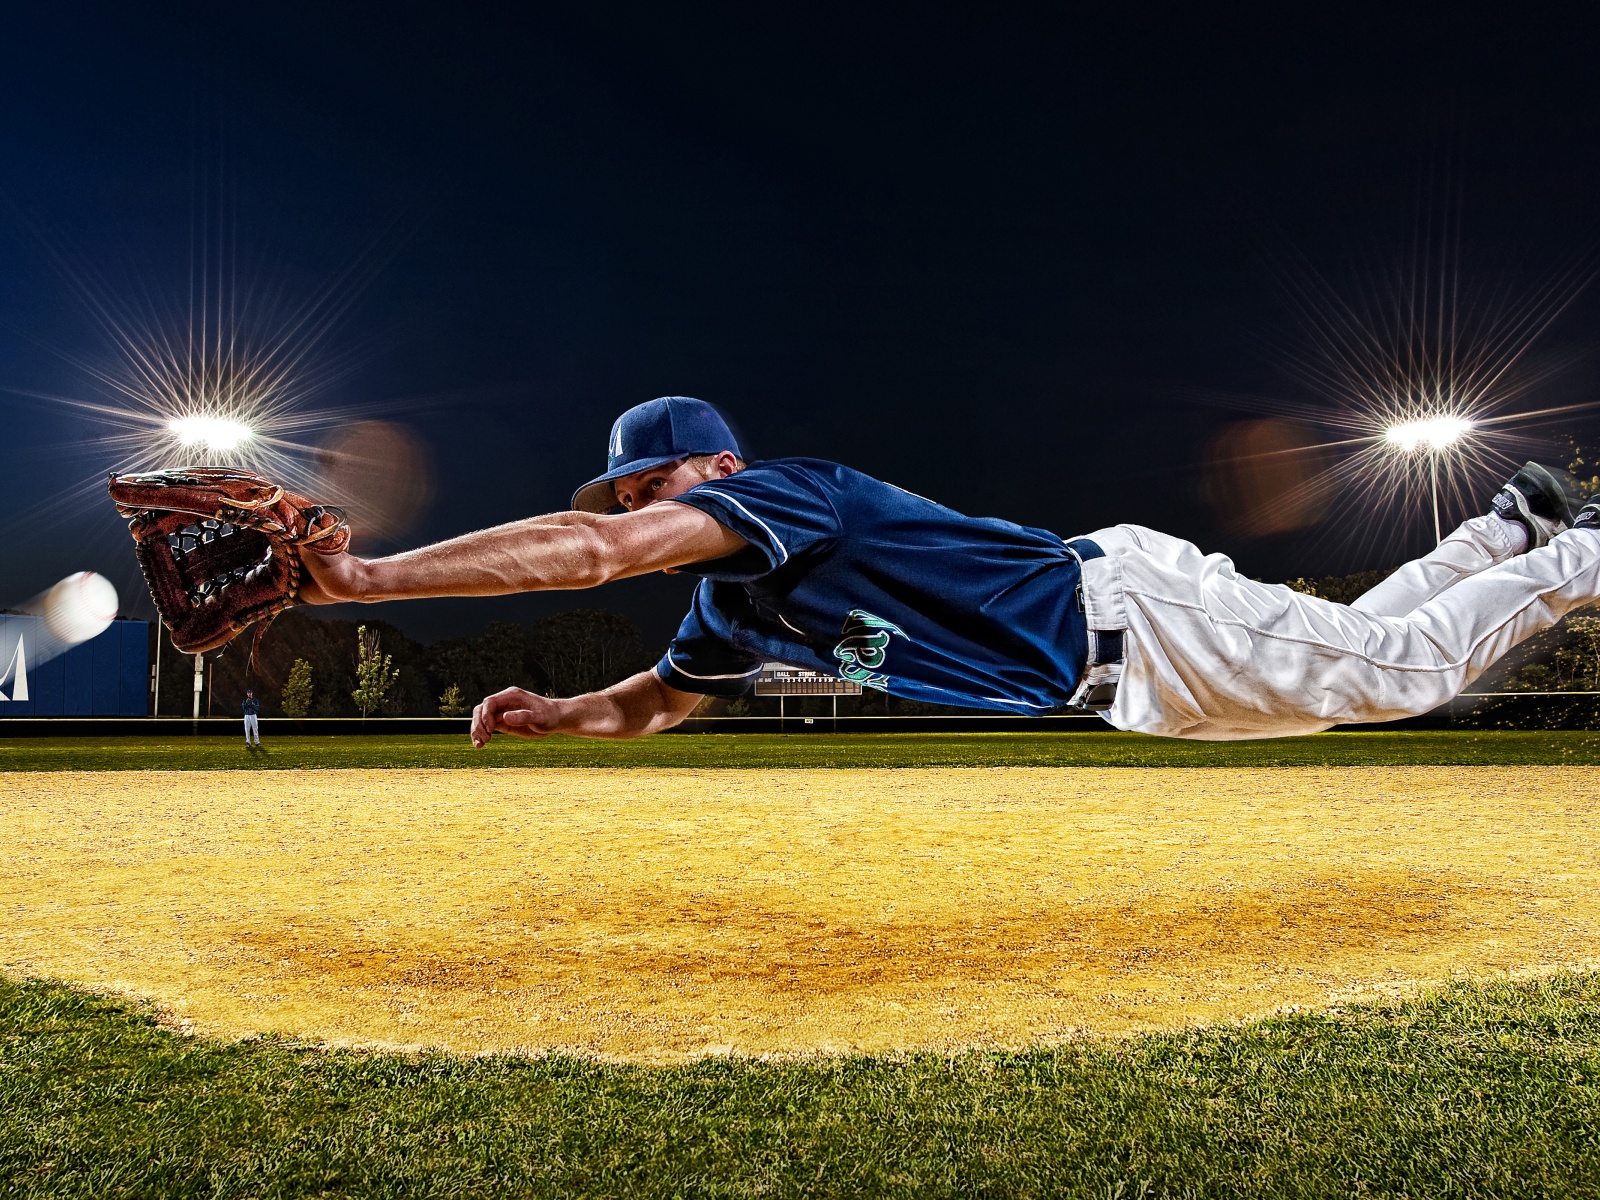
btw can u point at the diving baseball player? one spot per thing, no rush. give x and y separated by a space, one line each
817 565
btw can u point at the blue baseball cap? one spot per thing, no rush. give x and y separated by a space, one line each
651 434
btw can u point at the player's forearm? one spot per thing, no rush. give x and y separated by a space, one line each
637 706
556 552
562 551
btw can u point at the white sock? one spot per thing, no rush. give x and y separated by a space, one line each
1518 535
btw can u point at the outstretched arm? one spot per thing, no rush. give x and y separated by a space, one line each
556 552
638 705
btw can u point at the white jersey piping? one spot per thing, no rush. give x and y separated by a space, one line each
782 549
692 675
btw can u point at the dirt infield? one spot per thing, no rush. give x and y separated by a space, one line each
661 915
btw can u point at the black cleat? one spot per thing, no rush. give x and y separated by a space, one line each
1542 501
1589 515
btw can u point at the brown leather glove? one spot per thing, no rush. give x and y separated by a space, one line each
220 548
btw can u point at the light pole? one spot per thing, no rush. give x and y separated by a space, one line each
1433 486
1436 435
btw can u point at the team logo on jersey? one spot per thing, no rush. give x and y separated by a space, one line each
864 648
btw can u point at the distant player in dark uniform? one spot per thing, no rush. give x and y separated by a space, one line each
252 719
817 565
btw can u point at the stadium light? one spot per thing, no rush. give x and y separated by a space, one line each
214 433
1435 435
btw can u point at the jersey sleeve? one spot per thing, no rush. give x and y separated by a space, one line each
781 509
702 657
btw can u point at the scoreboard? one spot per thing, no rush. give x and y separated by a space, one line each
780 679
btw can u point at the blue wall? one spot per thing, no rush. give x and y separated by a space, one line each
107 676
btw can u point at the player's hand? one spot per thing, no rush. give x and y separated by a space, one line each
514 711
332 578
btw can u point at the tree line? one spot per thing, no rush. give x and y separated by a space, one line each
322 665
338 667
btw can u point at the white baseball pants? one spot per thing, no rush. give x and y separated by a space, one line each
252 730
1215 656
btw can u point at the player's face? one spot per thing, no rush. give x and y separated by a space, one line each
658 483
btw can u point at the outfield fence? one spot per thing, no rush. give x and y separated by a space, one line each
1471 710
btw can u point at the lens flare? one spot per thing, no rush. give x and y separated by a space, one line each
1420 390
238 358
232 367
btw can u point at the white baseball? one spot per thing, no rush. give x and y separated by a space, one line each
80 607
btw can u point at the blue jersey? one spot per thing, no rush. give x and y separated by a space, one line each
856 578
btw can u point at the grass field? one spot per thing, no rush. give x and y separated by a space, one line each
996 907
764 751
1477 1091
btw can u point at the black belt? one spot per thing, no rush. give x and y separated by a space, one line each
1105 647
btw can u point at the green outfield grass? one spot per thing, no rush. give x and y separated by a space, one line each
1455 748
1477 1091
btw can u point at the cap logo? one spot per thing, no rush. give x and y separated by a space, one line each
616 443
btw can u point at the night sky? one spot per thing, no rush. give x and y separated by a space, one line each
1030 266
